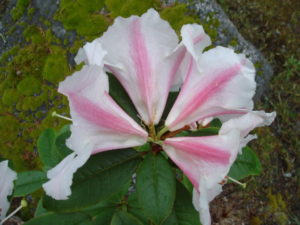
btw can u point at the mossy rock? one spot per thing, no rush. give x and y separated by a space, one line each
55 68
10 97
177 16
82 16
130 7
19 9
29 86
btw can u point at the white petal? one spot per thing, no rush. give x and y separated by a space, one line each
194 39
137 48
205 161
7 176
98 122
61 176
91 54
224 85
246 123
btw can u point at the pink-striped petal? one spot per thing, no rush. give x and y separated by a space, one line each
137 47
205 161
99 124
220 83
194 41
7 176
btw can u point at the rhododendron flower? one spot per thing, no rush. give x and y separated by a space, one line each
7 176
145 55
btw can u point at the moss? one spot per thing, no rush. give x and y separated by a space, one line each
10 97
33 34
177 16
55 68
129 7
29 86
76 15
19 9
6 55
31 12
233 42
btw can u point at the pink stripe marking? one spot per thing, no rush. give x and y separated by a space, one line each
142 64
198 38
176 66
213 87
98 116
203 151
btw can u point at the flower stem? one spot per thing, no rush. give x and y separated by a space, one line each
162 132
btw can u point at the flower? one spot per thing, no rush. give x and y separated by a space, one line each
7 176
145 55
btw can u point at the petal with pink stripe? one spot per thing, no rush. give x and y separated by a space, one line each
220 83
99 124
205 161
136 48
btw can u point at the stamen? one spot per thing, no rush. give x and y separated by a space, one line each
60 116
23 205
236 181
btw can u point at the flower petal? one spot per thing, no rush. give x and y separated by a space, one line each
61 176
99 124
194 40
247 123
91 54
137 47
7 176
205 161
224 85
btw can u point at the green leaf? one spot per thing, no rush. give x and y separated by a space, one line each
201 132
59 219
101 177
40 210
156 188
51 146
183 207
47 149
119 94
29 182
60 141
170 102
103 217
135 208
245 165
124 218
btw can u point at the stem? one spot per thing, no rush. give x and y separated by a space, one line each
162 132
61 116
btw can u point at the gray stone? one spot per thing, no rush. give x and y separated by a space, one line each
47 8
